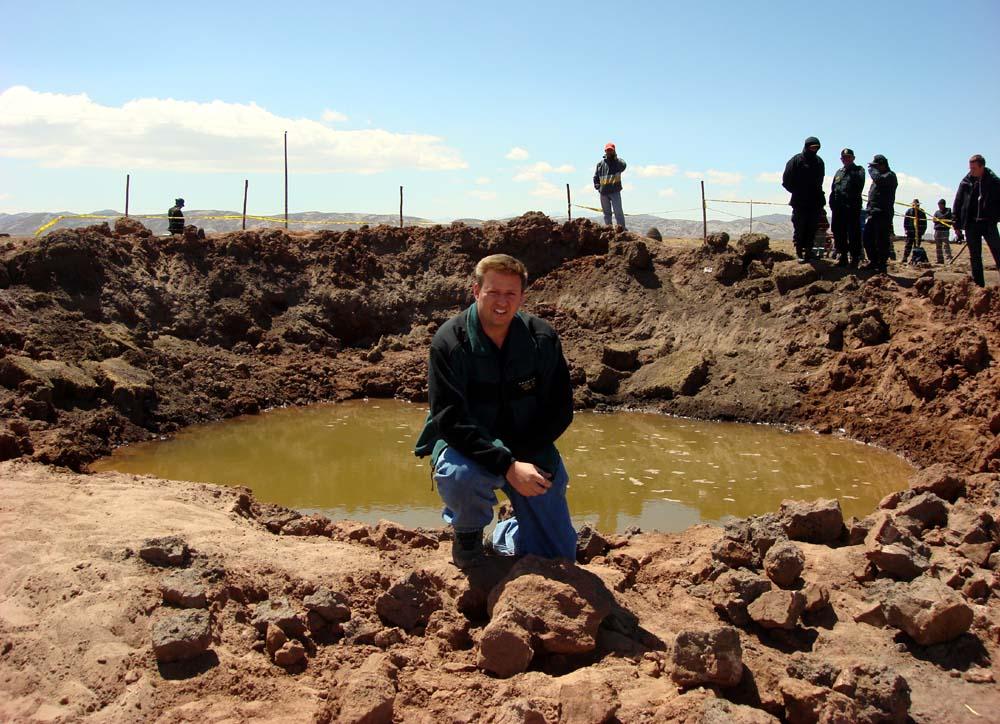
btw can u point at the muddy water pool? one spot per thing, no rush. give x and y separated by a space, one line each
355 460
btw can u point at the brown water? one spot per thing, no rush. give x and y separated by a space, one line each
355 460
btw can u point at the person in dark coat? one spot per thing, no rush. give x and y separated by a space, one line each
977 212
942 228
845 208
878 225
914 232
175 217
803 179
608 182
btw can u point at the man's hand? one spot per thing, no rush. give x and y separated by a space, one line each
528 480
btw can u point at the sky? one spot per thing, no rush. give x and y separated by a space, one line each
482 110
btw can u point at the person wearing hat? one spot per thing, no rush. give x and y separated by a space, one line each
845 208
977 212
942 226
878 226
175 217
914 227
803 179
608 182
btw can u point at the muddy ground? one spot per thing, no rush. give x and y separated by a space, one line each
111 336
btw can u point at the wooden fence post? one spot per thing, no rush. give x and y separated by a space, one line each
569 205
704 215
128 179
400 207
286 180
246 184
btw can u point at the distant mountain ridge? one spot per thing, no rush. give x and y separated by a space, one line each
777 226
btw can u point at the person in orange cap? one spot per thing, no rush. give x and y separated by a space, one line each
608 182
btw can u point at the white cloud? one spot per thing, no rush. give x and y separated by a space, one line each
666 193
483 195
537 171
626 186
60 131
483 180
655 171
549 190
722 178
912 187
517 154
770 177
333 116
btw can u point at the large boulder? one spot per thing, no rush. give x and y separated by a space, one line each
790 275
733 591
783 563
182 636
928 610
820 521
777 609
712 657
717 241
681 373
751 245
941 479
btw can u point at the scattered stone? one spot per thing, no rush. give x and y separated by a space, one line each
752 245
880 694
389 536
712 657
777 609
368 696
977 586
306 525
637 256
717 241
872 614
857 529
654 233
734 591
331 606
584 700
979 676
127 226
170 550
449 627
940 479
505 647
278 612
722 711
820 521
790 275
621 356
734 553
409 601
274 639
817 596
603 379
184 588
929 611
807 702
784 563
927 508
291 654
589 544
728 269
389 637
871 328
182 636
899 561
681 373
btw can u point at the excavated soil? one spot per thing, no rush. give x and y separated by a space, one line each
113 336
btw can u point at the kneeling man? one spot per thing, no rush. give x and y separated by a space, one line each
500 396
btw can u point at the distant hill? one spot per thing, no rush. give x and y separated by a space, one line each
777 226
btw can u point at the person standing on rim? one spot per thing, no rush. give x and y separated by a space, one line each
977 211
175 217
942 228
608 181
803 179
500 396
845 208
914 228
878 227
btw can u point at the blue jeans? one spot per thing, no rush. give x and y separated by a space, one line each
609 201
541 524
975 232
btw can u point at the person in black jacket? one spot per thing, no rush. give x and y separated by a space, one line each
942 229
608 181
878 225
977 211
175 217
845 207
914 233
803 179
500 395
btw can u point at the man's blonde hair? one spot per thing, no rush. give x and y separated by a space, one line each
503 264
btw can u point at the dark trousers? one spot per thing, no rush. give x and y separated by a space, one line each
975 232
805 219
911 241
877 232
941 239
846 228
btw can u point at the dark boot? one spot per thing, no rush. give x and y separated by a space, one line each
467 549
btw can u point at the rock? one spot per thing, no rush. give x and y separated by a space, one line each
621 356
274 639
940 479
977 586
870 329
880 694
717 241
69 384
505 647
728 269
752 245
712 657
817 596
820 521
449 627
182 636
637 256
871 613
583 699
722 711
898 560
589 544
560 604
968 523
858 529
734 590
409 601
127 226
734 553
927 508
790 275
777 609
388 536
185 589
681 373
291 654
389 637
331 606
129 388
806 702
368 695
603 379
784 563
654 233
278 612
928 610
170 550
